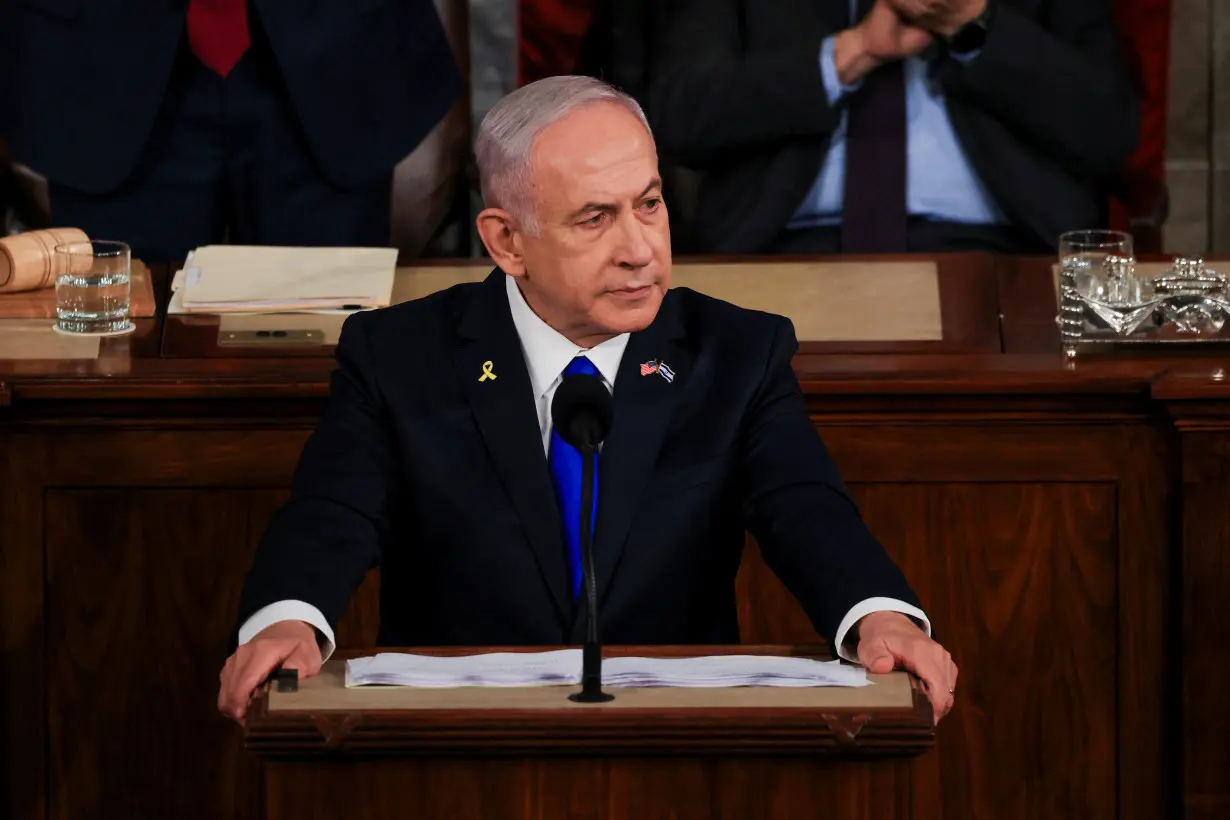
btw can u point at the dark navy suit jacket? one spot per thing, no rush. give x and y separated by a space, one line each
440 479
1046 111
81 81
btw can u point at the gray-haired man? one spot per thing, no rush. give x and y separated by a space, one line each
436 458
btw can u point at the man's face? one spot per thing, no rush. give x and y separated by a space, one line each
601 261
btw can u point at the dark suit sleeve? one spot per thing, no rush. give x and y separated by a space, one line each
323 540
709 97
1063 85
809 530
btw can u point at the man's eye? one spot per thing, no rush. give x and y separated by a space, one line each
594 221
651 205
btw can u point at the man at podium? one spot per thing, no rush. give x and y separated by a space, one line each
436 458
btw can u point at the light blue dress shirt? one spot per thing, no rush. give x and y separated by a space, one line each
941 184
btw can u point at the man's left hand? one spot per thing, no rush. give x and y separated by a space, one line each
943 17
890 640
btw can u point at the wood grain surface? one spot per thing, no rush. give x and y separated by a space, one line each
591 789
941 304
1205 629
140 619
41 303
1064 524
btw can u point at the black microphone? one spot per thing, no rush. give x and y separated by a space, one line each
581 414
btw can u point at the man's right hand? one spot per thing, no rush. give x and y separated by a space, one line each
291 644
881 37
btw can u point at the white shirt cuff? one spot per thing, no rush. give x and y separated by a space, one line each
869 606
289 611
833 87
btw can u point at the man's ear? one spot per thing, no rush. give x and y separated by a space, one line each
502 236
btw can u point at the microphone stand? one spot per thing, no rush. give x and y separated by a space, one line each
591 653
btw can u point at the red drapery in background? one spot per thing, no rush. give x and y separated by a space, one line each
1145 25
551 33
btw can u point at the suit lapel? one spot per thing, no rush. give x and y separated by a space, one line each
643 408
504 408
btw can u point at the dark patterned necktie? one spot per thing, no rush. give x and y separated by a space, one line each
874 212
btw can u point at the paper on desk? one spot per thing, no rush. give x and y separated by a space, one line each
227 278
175 306
563 666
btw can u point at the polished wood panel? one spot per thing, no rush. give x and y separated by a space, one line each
989 562
325 719
23 638
900 473
142 587
968 295
1198 400
750 760
1195 391
1112 467
586 788
1028 305
1206 627
1023 548
1146 527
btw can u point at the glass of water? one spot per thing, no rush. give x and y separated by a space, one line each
93 287
1094 246
1082 262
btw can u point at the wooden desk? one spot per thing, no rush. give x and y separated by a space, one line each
490 754
961 290
1065 525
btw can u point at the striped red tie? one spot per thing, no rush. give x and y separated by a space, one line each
218 32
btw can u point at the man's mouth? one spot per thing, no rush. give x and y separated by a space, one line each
632 291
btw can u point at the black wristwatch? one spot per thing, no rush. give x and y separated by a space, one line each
971 36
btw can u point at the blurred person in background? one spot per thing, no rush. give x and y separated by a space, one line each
886 126
173 125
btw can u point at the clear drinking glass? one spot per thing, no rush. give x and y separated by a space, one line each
1082 261
93 287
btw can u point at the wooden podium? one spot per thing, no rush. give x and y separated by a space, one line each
491 753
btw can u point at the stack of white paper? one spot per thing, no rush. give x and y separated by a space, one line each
249 278
563 666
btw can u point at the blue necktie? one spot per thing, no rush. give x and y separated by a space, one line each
565 461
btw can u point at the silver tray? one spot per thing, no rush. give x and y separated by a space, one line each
1110 304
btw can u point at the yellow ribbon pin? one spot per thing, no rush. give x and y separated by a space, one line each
487 373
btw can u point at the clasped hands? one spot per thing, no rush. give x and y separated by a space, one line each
897 30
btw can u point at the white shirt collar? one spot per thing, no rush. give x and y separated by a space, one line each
547 352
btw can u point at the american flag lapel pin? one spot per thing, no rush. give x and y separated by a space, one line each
649 368
665 372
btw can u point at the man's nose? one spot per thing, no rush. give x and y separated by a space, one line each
634 250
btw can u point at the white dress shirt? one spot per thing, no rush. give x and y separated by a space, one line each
547 354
